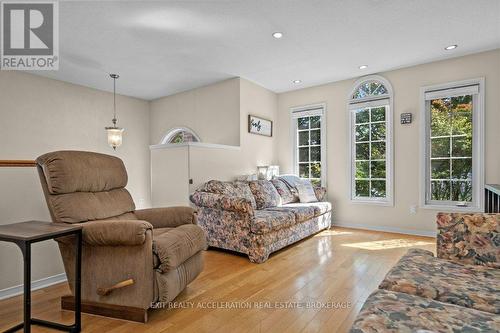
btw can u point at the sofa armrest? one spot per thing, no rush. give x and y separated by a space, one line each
469 238
320 193
167 217
115 232
220 201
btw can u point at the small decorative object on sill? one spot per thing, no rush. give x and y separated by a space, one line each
115 133
268 172
257 125
406 118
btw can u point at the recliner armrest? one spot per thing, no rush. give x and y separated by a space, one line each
115 232
167 217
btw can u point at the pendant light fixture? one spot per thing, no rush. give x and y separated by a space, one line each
115 133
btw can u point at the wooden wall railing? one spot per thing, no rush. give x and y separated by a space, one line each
17 163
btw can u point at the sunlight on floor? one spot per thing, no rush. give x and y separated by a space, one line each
324 250
387 244
332 233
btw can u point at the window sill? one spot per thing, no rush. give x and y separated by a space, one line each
388 203
449 208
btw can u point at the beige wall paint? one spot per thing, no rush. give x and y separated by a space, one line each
406 83
38 115
254 150
257 149
170 176
206 163
210 111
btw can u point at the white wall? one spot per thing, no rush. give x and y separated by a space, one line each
210 111
38 115
406 83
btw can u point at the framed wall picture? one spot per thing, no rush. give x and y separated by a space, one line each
257 125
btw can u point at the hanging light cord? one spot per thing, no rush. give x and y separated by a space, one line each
114 77
114 100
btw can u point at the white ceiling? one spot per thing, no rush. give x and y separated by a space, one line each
163 47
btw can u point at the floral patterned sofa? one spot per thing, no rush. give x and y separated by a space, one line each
457 291
257 217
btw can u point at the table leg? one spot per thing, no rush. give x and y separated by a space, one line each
26 249
78 282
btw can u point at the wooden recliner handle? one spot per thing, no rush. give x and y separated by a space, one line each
107 291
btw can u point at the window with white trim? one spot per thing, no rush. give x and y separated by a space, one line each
452 161
371 140
308 128
180 135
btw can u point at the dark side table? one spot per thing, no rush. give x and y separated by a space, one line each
24 234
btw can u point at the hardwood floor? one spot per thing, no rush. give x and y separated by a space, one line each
337 266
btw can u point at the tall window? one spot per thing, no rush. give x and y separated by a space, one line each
371 141
309 143
180 135
452 157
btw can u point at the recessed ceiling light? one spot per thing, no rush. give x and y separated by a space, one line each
363 67
297 81
277 35
451 47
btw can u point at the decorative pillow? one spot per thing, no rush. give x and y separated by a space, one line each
243 190
306 192
265 194
237 189
320 193
284 191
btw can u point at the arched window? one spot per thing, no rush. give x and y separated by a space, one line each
369 89
180 135
370 109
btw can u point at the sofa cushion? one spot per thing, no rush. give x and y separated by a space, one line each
232 189
389 311
175 246
302 213
469 238
320 207
287 196
265 194
420 273
265 221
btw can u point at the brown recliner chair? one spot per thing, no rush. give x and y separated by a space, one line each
131 258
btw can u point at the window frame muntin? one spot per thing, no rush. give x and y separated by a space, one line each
317 109
372 101
477 146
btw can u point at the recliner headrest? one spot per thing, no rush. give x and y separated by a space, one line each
82 171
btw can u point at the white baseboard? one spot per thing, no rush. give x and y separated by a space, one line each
35 285
424 233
